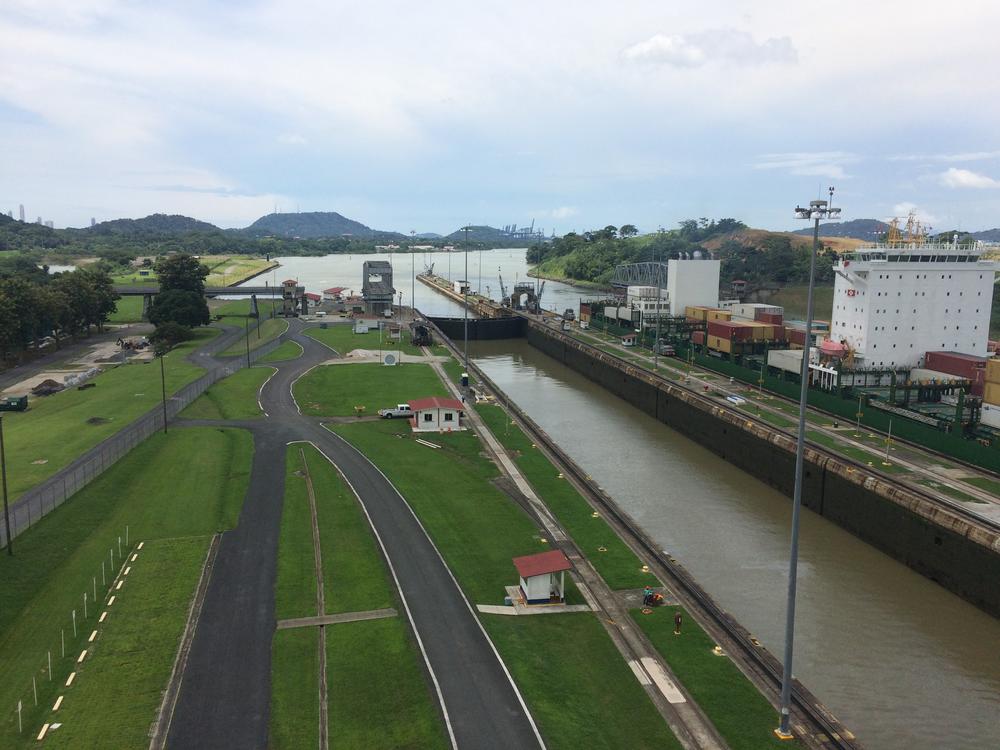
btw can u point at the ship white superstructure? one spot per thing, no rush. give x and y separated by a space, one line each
894 302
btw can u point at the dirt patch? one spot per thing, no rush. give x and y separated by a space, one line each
98 420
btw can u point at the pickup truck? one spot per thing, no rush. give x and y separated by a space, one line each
399 410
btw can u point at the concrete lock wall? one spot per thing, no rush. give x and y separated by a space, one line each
959 555
481 329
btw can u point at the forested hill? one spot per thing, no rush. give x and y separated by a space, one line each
155 224
860 229
752 254
19 235
310 225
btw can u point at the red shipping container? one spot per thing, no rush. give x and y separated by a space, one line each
959 365
779 332
698 337
726 329
796 336
775 319
991 346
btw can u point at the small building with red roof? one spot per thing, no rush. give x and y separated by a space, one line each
334 293
543 577
436 414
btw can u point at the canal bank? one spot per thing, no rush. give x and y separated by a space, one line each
901 661
954 550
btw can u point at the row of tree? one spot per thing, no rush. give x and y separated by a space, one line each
35 305
180 304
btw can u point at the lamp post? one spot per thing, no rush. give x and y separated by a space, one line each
163 388
818 210
465 297
6 510
656 344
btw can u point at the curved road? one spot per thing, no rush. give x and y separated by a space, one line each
225 690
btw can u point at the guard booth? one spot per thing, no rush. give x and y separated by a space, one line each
543 577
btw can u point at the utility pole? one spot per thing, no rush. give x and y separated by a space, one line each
246 337
465 295
6 510
163 392
818 209
656 345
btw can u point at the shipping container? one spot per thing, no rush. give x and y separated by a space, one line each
992 346
991 394
966 366
698 337
721 344
772 318
719 315
796 335
993 370
699 312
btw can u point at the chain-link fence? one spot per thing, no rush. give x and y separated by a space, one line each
55 490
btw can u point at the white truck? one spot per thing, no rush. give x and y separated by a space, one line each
399 410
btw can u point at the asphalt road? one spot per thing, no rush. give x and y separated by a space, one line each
225 691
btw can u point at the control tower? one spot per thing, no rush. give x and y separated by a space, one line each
376 287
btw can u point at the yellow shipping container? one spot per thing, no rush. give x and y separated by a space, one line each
993 370
720 344
719 315
696 311
991 394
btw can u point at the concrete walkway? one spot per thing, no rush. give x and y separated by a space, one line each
307 622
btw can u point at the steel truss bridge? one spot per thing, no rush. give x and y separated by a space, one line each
648 273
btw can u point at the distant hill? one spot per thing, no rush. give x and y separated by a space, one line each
757 237
310 225
988 235
153 224
428 236
481 233
859 229
19 235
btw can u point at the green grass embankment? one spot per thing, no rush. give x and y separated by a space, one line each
334 390
286 351
189 483
342 339
744 718
233 311
57 429
266 332
377 694
234 397
618 564
127 310
115 696
568 669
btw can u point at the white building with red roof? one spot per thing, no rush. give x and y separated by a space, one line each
543 577
436 414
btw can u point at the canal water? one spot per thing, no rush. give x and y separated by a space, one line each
485 268
904 663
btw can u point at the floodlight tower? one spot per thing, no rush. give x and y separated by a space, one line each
819 210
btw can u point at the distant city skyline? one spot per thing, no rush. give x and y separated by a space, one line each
574 116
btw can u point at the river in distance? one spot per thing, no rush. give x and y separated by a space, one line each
901 661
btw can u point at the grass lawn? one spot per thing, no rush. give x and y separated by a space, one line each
476 527
295 586
294 719
983 483
619 566
742 715
268 331
334 390
285 351
341 338
764 416
793 299
188 483
581 692
957 494
240 308
127 310
234 397
378 696
116 695
57 429
355 577
875 459
227 270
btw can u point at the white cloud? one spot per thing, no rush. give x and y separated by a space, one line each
965 178
292 139
809 164
717 45
563 212
964 156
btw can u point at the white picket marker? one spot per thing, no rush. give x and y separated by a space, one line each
83 655
50 666
119 584
69 680
128 570
19 717
140 545
103 615
111 600
41 735
92 637
74 623
57 703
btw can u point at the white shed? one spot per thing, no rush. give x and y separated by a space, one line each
436 414
543 576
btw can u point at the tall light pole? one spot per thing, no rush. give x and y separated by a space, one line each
465 295
818 209
6 510
656 344
163 387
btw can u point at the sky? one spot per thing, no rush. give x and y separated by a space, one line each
428 116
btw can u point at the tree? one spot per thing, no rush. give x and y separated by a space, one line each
169 334
182 272
628 230
181 306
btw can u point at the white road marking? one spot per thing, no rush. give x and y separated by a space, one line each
663 683
640 673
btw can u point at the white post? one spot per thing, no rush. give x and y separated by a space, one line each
50 666
84 605
104 582
62 641
94 581
126 536
74 623
119 548
887 441
34 689
19 717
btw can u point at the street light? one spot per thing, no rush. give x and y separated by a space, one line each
160 352
465 297
818 210
6 510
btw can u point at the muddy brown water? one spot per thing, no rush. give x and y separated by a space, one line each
901 661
